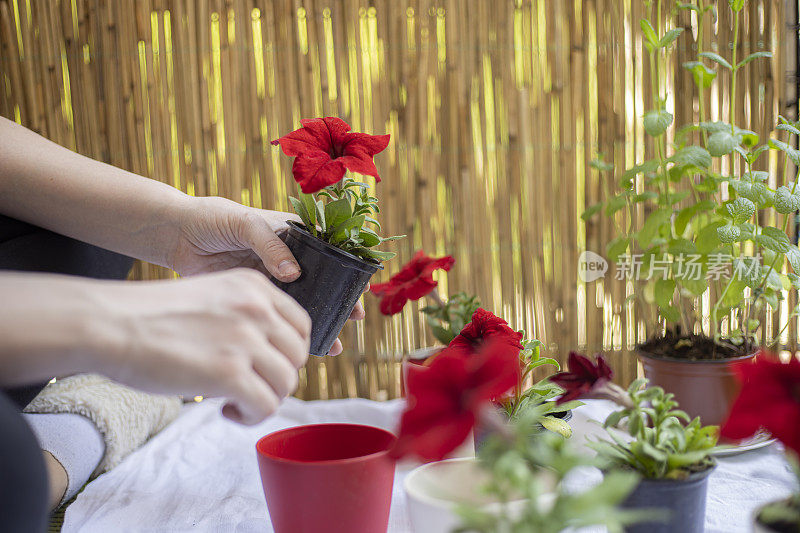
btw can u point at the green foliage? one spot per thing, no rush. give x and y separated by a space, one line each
664 443
785 513
532 467
679 193
447 320
541 395
345 219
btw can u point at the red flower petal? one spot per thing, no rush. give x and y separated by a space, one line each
445 398
769 398
316 170
485 326
327 148
583 376
412 282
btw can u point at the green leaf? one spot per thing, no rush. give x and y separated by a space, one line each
728 233
734 294
617 247
741 210
773 239
786 200
716 58
721 143
756 192
788 127
337 212
656 122
695 156
793 154
753 56
342 232
591 211
793 256
649 34
376 255
301 211
651 226
616 203
664 290
600 165
707 238
369 238
669 37
319 207
736 5
556 425
703 76
685 215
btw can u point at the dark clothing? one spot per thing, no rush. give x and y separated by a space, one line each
23 478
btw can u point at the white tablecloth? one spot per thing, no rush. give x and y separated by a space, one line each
200 474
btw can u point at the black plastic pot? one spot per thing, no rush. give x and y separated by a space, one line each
329 286
482 433
684 500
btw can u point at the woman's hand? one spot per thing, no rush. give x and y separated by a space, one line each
218 234
231 334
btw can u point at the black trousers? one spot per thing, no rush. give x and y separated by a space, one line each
23 478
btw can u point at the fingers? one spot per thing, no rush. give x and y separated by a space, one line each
257 233
292 313
291 345
252 399
276 370
337 348
358 312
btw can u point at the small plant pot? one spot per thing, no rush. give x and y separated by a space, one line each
684 500
335 478
436 490
482 434
783 527
706 388
329 286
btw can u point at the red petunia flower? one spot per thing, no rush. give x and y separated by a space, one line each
770 398
484 327
583 377
414 281
445 399
324 147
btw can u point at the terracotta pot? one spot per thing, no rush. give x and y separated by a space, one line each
704 388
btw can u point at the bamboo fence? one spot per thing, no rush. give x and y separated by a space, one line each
495 109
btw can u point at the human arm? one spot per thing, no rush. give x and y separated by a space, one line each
230 334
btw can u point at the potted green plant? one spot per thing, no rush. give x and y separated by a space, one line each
668 449
515 483
335 244
702 259
770 399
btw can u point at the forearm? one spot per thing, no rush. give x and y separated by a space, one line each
46 327
50 186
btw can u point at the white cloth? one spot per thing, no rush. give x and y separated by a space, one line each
201 474
125 417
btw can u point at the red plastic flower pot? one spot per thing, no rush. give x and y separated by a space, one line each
335 478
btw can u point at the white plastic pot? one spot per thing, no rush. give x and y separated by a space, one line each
436 490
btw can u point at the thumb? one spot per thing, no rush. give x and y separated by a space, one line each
277 257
